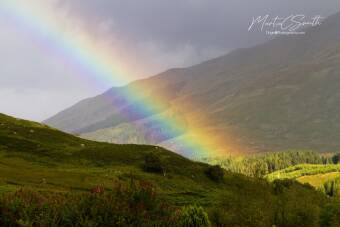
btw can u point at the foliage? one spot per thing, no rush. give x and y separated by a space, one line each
336 158
330 215
193 216
294 206
215 173
297 171
152 163
133 205
260 165
332 187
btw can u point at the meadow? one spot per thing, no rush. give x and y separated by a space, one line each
306 171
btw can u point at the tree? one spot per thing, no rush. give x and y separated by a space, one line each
336 158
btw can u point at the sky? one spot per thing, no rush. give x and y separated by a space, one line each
142 37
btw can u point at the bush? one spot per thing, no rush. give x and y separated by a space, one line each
193 216
336 159
136 204
330 215
215 173
153 164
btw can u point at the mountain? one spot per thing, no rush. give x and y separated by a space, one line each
283 94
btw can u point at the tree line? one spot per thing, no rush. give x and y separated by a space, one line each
259 165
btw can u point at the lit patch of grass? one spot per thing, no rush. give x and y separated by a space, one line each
318 180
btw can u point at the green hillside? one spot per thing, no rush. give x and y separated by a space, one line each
54 173
32 153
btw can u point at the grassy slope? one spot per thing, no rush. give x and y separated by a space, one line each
318 180
40 157
315 175
47 160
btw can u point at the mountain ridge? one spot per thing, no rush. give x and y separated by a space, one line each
274 96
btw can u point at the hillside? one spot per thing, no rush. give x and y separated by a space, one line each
32 153
280 95
49 172
53 164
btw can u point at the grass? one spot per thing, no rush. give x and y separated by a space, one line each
315 175
318 180
44 159
49 162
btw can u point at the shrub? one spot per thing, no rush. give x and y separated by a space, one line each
215 173
330 215
136 204
193 216
336 158
153 164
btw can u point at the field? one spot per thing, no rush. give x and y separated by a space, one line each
315 175
318 180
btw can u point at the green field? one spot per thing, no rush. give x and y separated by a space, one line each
306 171
61 169
318 180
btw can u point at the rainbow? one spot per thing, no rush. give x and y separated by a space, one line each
99 64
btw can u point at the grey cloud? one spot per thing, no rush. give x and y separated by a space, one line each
218 24
160 33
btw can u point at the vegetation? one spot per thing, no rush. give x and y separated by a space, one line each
330 215
325 178
215 173
153 164
193 216
332 187
134 205
47 176
295 172
336 158
319 179
259 165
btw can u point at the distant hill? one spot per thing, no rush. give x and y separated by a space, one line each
280 95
